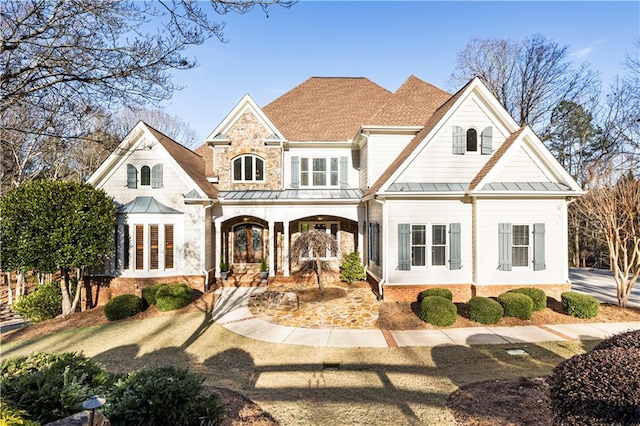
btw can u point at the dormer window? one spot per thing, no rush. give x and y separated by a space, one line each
472 140
149 176
467 141
248 168
145 176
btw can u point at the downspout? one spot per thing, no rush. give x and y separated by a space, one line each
384 246
204 248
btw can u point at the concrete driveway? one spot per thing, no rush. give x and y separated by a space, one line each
600 284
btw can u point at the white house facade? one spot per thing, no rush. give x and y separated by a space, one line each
431 189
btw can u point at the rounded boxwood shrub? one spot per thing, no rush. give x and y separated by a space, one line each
579 305
438 310
170 297
516 305
600 387
163 396
484 310
44 303
123 306
435 291
149 294
538 297
626 340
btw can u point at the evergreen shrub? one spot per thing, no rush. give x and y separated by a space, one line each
539 297
626 340
123 306
435 291
149 293
438 311
579 305
352 269
516 305
170 297
44 303
484 310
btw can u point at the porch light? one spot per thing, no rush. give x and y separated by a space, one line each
245 219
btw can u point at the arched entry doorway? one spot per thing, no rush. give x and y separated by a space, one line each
248 243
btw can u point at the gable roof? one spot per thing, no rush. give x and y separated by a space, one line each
326 108
411 105
415 142
495 157
192 163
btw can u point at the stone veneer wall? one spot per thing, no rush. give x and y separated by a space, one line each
247 137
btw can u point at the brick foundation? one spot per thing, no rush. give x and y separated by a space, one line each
462 292
100 289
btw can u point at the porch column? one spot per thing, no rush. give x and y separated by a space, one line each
218 234
285 251
272 240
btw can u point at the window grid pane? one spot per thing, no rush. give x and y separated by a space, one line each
145 175
127 242
168 246
418 245
139 247
237 169
248 168
438 256
520 249
304 172
334 171
319 171
439 245
153 246
259 169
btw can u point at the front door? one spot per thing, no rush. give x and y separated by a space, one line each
248 244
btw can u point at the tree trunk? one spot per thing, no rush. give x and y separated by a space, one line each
7 281
64 288
19 286
319 274
76 298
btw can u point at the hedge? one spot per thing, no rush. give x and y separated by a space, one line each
123 306
516 305
579 305
438 310
435 291
171 297
538 297
484 310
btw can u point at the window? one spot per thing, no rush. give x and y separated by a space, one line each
248 168
168 246
126 252
319 171
442 241
153 246
145 176
374 250
139 247
438 245
472 140
515 246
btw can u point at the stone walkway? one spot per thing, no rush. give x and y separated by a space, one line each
358 310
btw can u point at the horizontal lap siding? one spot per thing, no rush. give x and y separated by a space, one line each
364 167
525 212
429 212
383 149
521 168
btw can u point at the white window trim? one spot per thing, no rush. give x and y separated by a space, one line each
310 172
242 169
146 254
428 261
140 184
529 246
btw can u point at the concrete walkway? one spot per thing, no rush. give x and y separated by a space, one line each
232 312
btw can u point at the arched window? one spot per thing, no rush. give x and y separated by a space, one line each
145 176
472 140
248 168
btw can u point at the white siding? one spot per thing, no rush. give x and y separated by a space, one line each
429 212
489 213
364 167
437 163
383 149
521 168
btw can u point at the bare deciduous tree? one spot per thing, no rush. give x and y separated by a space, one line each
614 211
311 250
529 78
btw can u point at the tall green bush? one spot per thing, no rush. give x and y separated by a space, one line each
44 303
352 269
579 305
170 297
516 305
149 293
123 306
438 310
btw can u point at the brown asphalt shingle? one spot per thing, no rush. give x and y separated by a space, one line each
495 158
192 163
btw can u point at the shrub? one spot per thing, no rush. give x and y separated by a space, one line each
600 387
436 291
163 395
538 297
173 296
149 294
51 386
484 310
10 416
123 306
352 269
44 303
579 305
516 305
438 310
626 340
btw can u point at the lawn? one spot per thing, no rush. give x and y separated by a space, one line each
305 385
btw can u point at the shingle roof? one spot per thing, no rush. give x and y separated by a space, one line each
415 142
326 108
192 163
411 105
495 158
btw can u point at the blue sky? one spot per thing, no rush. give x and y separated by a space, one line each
385 42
